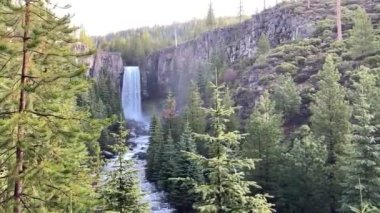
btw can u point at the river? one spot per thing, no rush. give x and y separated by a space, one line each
152 196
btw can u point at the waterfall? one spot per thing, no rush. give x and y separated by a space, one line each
131 93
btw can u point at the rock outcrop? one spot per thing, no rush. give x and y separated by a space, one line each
110 61
173 68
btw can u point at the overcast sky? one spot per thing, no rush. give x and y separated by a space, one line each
100 17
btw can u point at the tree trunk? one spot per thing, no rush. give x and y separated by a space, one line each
265 4
339 20
308 4
18 190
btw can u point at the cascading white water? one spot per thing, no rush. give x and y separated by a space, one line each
154 197
131 93
131 103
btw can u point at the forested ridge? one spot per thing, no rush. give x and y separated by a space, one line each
308 143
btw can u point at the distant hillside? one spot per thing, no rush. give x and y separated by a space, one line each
136 44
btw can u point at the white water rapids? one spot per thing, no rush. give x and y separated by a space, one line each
155 198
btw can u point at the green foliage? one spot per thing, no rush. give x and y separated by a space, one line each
188 173
225 189
362 38
286 68
156 141
167 158
87 40
136 44
265 133
263 45
233 121
330 121
286 95
43 156
107 94
194 114
304 175
362 159
122 191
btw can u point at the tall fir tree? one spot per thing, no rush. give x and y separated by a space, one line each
187 175
226 189
210 19
168 158
286 96
304 175
233 121
330 120
362 38
194 113
122 191
265 132
43 137
196 116
156 141
363 158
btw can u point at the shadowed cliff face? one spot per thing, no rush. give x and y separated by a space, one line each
173 68
110 61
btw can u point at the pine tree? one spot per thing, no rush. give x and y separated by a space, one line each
210 19
188 173
153 153
304 174
194 114
265 133
286 95
225 189
122 192
362 38
233 121
330 120
168 158
42 144
263 45
363 160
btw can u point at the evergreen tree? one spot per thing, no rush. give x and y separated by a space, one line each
286 95
330 121
363 160
196 116
233 121
304 175
122 190
153 153
43 134
265 133
188 173
210 19
225 189
194 113
362 38
263 45
168 159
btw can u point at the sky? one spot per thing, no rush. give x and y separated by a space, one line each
100 17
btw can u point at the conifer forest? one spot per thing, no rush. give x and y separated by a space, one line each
273 109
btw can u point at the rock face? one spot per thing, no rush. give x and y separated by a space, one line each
173 68
110 61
